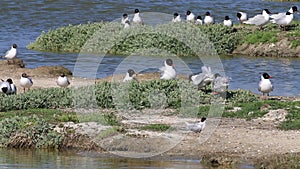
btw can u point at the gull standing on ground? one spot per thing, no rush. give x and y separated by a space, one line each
168 71
176 18
63 80
208 19
227 21
12 53
265 86
130 75
137 18
190 17
197 127
25 81
242 16
260 19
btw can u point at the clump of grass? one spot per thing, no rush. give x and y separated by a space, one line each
73 38
99 117
261 37
134 95
28 132
156 127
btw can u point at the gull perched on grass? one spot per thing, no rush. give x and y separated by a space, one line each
137 18
208 19
227 21
25 81
190 17
284 20
292 10
265 85
176 18
242 16
202 79
220 84
259 20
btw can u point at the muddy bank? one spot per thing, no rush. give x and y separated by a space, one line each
283 48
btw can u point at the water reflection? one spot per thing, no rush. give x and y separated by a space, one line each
36 159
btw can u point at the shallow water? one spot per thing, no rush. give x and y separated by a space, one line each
36 159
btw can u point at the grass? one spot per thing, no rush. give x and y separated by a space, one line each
156 127
76 38
49 115
261 37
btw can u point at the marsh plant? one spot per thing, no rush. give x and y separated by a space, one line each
72 38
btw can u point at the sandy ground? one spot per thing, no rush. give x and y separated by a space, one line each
234 138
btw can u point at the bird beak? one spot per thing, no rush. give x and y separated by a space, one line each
173 66
271 76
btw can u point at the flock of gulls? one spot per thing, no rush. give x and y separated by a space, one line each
283 19
8 87
202 79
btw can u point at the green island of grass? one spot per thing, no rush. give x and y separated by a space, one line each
72 38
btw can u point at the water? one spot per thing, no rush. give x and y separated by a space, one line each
23 22
36 159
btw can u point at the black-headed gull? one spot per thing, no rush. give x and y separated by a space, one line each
260 19
5 87
176 18
284 20
199 20
202 79
137 18
124 18
13 88
197 127
168 71
220 84
227 21
12 53
127 24
25 81
265 86
63 80
208 19
190 17
242 16
130 75
292 10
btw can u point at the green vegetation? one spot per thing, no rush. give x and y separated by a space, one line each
257 37
156 127
65 39
111 38
134 95
72 38
28 131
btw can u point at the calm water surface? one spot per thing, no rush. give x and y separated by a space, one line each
43 159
